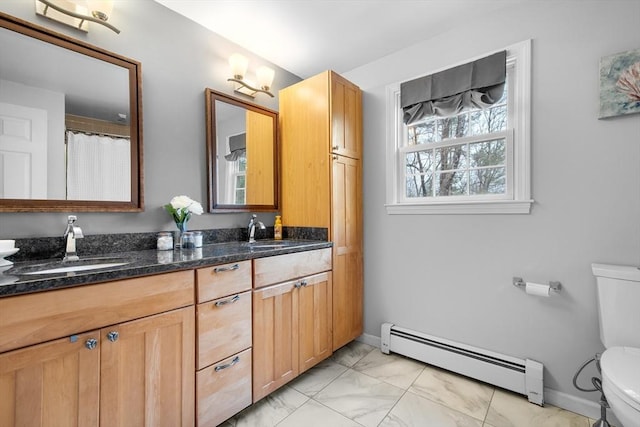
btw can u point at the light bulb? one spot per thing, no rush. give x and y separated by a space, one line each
238 65
265 77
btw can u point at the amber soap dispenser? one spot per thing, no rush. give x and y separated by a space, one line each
277 228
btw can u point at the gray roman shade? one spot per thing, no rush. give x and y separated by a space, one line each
237 147
477 84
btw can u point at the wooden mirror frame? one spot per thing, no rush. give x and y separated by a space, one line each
211 96
134 69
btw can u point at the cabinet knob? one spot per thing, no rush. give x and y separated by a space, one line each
334 157
113 336
91 343
335 147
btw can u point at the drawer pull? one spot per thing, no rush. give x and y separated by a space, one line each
227 301
221 269
228 365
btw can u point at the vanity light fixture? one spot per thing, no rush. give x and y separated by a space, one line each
76 13
265 75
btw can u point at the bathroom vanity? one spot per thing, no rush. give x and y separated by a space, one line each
165 339
291 317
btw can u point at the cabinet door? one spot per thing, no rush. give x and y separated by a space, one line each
51 384
346 234
305 138
275 337
346 117
314 317
147 372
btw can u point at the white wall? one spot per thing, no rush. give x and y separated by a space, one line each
450 275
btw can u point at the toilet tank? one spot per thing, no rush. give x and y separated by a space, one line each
618 304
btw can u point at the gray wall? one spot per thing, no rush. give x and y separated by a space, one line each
450 275
179 60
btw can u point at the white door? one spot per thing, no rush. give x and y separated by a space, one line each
23 152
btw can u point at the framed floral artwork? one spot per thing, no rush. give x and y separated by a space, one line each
620 84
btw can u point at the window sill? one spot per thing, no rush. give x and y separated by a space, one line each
475 208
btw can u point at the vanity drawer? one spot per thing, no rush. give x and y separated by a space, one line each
224 389
222 280
280 268
43 316
224 328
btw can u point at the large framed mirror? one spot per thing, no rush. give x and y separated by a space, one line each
242 155
70 124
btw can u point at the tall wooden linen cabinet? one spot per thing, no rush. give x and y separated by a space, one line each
321 155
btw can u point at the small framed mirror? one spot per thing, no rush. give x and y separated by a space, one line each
70 124
242 155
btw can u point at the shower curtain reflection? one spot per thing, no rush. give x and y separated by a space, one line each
98 167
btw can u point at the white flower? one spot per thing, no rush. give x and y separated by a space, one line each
195 208
181 202
181 208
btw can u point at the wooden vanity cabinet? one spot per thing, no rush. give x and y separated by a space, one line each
146 375
33 379
292 303
275 343
314 320
321 146
224 339
136 369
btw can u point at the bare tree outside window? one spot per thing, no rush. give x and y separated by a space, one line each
452 168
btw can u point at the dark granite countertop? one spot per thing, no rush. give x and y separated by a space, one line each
15 281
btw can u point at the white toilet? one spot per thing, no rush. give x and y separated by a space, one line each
619 313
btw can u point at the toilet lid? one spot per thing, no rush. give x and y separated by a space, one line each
621 367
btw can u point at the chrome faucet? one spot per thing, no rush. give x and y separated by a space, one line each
72 233
253 222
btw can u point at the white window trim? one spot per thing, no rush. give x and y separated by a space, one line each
520 203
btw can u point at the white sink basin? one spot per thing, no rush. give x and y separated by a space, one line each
78 268
56 267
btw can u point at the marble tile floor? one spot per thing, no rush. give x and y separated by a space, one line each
361 387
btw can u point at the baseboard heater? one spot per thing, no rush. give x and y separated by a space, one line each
518 375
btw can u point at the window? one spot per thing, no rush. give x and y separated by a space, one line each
238 179
474 162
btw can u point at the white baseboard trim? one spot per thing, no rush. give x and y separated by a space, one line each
578 405
562 400
372 340
571 403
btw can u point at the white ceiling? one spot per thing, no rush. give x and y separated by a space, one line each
306 37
